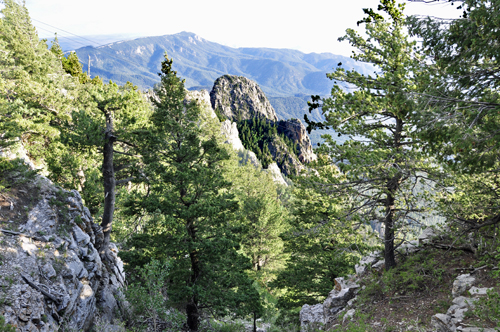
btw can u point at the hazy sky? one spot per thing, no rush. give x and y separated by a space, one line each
308 26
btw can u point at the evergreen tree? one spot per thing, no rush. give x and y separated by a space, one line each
191 210
262 218
320 246
458 91
382 162
35 93
106 131
71 64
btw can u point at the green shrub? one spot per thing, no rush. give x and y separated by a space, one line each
147 295
6 327
488 308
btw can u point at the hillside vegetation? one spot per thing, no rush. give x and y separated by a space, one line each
209 241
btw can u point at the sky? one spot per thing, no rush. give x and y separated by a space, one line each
307 26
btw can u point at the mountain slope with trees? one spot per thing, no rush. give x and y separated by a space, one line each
210 242
280 72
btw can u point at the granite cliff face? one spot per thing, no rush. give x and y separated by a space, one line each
287 162
52 275
296 131
238 98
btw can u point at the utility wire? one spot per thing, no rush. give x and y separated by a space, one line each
99 46
69 33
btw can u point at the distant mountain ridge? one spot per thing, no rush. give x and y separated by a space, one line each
279 72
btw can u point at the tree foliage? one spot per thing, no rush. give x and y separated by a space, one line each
256 135
191 210
320 247
458 86
33 86
382 162
459 99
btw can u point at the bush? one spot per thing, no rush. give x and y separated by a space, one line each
147 295
488 308
6 327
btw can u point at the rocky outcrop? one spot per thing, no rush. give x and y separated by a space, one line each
275 173
52 275
202 98
287 162
324 314
238 98
451 321
230 131
296 131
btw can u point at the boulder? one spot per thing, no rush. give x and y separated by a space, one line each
408 247
366 262
461 283
427 235
349 315
442 323
311 316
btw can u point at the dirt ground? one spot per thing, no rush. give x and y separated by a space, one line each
399 308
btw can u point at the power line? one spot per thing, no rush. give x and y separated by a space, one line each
67 32
94 42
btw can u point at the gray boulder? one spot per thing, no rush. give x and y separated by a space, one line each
311 316
461 283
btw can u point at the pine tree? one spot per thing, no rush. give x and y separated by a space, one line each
107 129
382 162
35 93
458 91
191 210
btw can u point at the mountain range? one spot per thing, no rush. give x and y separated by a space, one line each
279 72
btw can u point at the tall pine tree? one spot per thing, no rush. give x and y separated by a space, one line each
191 210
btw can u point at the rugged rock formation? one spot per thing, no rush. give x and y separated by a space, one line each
275 172
202 97
287 162
296 131
238 98
325 313
230 130
52 275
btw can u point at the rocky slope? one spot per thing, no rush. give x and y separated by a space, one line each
52 275
414 297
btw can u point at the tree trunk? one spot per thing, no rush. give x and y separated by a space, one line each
254 322
193 316
108 174
192 311
392 188
390 260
